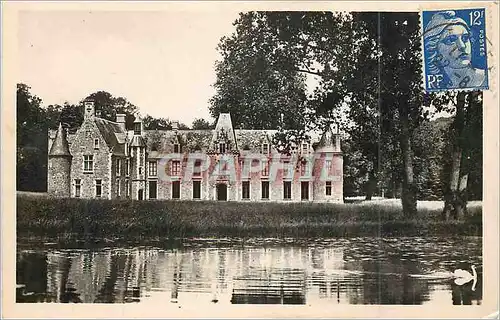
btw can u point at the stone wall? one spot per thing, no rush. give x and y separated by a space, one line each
316 186
59 168
83 144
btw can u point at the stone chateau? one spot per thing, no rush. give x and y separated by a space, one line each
104 160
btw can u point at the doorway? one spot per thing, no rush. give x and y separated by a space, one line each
221 190
304 190
140 194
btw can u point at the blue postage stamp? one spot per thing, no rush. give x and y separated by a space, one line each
455 54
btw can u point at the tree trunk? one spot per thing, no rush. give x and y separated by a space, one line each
455 194
371 185
452 195
409 192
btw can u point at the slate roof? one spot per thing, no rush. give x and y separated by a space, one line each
251 140
60 145
160 142
112 134
137 141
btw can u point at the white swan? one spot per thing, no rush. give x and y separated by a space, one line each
463 276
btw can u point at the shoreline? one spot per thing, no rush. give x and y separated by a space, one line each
124 220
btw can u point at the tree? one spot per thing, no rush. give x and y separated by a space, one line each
251 83
151 123
71 116
109 106
367 63
31 174
464 144
201 124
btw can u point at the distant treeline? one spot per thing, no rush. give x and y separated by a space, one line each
432 163
66 219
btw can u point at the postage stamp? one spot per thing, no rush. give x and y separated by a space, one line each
454 43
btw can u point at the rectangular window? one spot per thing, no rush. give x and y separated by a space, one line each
328 166
153 189
78 188
140 170
98 188
96 143
127 167
127 188
328 190
137 129
303 168
304 190
141 157
153 168
265 189
88 163
265 168
286 164
305 148
177 148
197 168
245 190
196 189
176 190
265 148
222 147
287 190
118 188
175 168
118 166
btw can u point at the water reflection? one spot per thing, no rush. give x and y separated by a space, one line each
325 271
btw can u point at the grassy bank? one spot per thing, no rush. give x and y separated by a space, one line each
135 220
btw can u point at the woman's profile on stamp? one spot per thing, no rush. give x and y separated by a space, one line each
448 53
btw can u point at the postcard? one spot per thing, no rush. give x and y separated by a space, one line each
250 159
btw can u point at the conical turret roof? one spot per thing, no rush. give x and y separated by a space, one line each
60 145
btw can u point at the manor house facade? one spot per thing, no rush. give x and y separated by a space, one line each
104 160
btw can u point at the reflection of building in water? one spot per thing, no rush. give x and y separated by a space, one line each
102 276
270 274
58 266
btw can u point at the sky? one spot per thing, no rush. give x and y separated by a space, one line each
163 62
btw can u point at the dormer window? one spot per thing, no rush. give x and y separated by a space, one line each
177 148
137 129
96 143
328 166
265 148
303 168
305 148
222 147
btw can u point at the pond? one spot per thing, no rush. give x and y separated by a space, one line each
257 271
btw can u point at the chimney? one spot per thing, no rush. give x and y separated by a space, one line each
336 132
175 125
120 119
88 106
